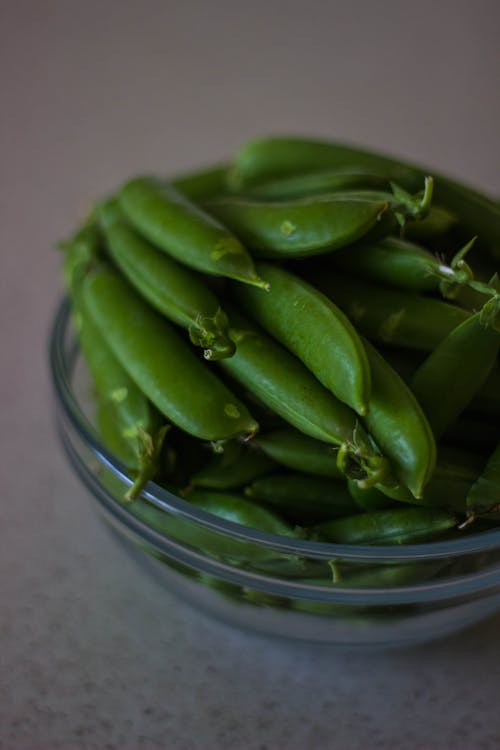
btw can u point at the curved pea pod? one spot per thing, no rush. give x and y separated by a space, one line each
139 449
183 230
446 382
400 526
299 228
379 577
390 316
236 466
302 498
438 222
202 184
226 506
315 183
284 384
127 421
169 287
162 364
300 452
265 158
369 499
239 510
315 330
484 495
279 156
456 471
402 264
399 425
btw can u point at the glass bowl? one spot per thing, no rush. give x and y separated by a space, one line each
270 583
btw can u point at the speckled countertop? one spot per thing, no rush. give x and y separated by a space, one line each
94 655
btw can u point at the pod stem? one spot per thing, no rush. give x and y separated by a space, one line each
149 458
211 333
489 315
457 274
413 206
360 461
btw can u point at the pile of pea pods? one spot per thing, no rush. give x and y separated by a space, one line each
304 340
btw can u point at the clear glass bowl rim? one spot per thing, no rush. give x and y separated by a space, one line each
61 371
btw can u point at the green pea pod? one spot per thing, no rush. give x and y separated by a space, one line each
399 425
379 577
455 473
171 288
301 498
300 452
315 330
139 451
236 509
446 382
181 229
127 421
274 157
389 316
484 495
438 222
299 228
401 264
369 499
404 206
231 508
400 526
315 183
162 364
202 184
282 382
280 156
236 466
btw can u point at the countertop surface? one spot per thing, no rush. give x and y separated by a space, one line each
93 653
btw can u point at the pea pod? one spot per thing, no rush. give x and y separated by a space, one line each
404 265
299 228
400 526
183 230
446 382
389 316
379 577
399 425
455 473
234 508
315 183
162 364
267 158
138 449
236 466
369 499
282 382
315 330
484 495
171 288
229 507
276 157
302 498
300 452
202 184
127 421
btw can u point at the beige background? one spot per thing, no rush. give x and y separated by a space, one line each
92 654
